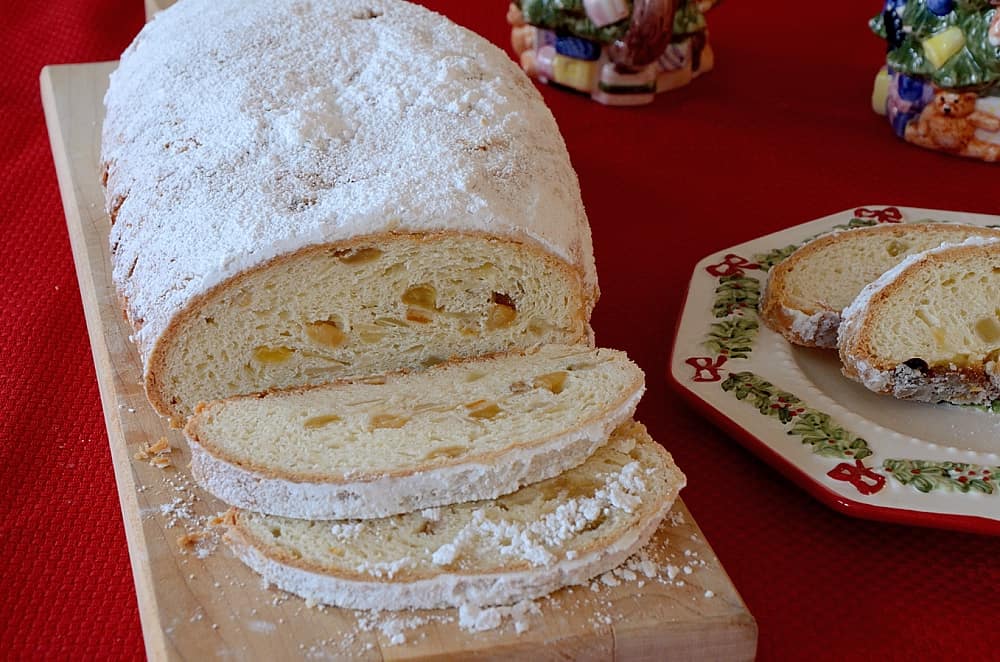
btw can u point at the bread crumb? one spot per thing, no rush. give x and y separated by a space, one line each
189 541
161 462
156 454
161 446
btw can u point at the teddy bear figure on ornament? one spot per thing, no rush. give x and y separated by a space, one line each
940 87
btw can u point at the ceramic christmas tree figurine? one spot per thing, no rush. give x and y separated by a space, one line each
620 52
940 87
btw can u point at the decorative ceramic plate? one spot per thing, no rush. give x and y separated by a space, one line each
863 454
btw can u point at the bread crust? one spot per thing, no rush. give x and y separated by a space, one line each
815 324
977 382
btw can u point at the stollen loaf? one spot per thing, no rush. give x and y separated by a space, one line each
555 533
929 329
301 191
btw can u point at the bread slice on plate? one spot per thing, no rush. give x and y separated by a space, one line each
555 533
460 431
807 291
929 329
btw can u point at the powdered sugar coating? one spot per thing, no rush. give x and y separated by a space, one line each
238 131
535 541
819 329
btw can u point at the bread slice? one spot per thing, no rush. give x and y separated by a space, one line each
929 329
456 432
807 291
559 532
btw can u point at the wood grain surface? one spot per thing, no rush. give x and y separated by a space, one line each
197 601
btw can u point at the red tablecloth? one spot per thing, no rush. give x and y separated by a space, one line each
780 133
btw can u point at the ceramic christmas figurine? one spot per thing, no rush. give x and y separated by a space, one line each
620 52
940 87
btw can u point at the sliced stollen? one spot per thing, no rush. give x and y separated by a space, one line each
929 329
559 532
806 292
459 431
294 204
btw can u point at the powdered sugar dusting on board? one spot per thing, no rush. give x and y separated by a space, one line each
240 130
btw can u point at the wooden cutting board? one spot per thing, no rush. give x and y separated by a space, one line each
198 601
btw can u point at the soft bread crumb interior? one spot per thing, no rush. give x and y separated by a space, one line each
446 415
366 307
945 315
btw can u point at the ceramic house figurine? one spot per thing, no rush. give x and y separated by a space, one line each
620 52
940 87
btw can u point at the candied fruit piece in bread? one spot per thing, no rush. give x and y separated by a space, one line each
559 532
459 431
806 293
929 329
289 211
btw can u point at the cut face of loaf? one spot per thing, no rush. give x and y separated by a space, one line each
455 432
361 308
806 292
559 532
929 329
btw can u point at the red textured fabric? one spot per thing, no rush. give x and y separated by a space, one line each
779 134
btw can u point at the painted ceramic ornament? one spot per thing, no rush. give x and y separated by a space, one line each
940 87
620 52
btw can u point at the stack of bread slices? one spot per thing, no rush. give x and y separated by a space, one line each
483 482
913 309
353 252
